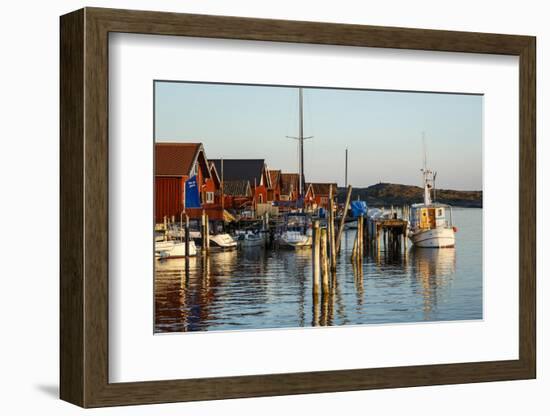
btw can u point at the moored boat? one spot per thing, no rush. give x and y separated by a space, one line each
250 239
221 241
173 249
295 232
431 223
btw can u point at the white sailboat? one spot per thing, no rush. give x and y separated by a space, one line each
296 232
431 223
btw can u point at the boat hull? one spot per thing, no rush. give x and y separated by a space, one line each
295 243
173 249
223 241
434 238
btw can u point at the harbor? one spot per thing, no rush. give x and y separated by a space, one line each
258 288
245 243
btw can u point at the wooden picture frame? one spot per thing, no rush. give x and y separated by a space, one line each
84 207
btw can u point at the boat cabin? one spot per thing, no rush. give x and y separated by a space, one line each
432 216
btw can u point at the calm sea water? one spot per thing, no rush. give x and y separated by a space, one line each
256 288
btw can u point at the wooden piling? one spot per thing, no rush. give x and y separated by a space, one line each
343 220
331 236
187 241
316 258
354 250
207 229
360 246
324 260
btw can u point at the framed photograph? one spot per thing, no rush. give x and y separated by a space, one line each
255 207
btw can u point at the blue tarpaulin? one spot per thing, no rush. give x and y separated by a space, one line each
358 208
192 198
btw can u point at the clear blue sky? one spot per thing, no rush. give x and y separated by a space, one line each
381 129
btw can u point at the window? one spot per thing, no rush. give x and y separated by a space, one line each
261 198
210 197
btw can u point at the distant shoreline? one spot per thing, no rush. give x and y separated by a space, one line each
386 194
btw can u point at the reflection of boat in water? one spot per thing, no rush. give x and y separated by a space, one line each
250 239
173 249
295 232
434 270
431 224
437 263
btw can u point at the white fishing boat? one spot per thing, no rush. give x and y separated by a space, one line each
431 223
170 249
250 239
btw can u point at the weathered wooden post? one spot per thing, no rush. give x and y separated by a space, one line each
332 237
207 229
316 259
204 237
343 219
324 261
186 230
354 251
378 238
361 248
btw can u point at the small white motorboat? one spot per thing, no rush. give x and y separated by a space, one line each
295 239
250 239
223 241
170 249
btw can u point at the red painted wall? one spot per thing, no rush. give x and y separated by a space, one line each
168 197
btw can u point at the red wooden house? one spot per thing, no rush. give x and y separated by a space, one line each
274 192
237 194
290 186
317 194
252 170
174 164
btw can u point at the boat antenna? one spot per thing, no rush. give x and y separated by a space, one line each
435 176
424 150
301 138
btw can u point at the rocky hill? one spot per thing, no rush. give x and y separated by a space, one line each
386 194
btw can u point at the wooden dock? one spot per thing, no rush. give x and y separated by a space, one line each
386 234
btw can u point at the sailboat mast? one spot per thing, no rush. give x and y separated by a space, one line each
301 144
346 167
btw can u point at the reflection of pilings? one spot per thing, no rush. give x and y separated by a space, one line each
315 311
331 234
316 258
187 242
324 260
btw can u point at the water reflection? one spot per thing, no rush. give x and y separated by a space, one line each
256 288
433 271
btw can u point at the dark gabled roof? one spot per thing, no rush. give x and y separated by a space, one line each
289 182
240 169
322 188
237 188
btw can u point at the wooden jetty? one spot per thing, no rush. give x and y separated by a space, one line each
387 234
